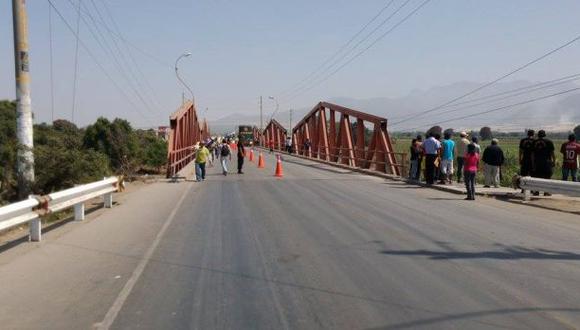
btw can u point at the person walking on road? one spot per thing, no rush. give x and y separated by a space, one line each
225 155
201 158
307 144
570 151
431 148
289 145
493 158
271 143
447 156
471 159
460 151
544 159
241 155
525 153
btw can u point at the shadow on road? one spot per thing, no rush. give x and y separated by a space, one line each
474 315
508 253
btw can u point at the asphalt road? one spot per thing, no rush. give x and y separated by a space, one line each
322 248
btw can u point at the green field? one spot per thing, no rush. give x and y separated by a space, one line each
510 147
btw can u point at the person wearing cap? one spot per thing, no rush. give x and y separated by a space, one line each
525 153
493 158
201 157
460 151
570 151
543 159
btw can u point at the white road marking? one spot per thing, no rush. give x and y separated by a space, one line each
124 294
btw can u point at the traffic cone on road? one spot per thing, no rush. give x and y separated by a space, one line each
251 155
261 161
279 172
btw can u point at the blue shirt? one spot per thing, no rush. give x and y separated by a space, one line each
448 149
431 145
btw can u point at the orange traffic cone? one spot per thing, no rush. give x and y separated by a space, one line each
261 161
251 155
279 173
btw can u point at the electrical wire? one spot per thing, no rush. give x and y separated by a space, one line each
352 49
99 65
50 59
389 31
499 108
76 66
340 50
502 77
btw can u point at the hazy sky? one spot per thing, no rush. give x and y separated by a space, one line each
246 48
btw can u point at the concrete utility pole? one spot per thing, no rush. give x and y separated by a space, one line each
261 121
291 121
25 157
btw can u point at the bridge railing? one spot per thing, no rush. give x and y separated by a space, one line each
529 184
347 140
185 131
274 133
30 210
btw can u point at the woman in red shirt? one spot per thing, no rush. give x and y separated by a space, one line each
470 162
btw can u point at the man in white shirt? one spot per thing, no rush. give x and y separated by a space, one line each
431 148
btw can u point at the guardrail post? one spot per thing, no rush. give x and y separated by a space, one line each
35 230
108 200
79 211
527 195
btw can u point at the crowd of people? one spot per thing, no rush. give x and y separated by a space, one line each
444 158
215 149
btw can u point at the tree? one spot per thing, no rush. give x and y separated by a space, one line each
577 132
485 133
8 147
115 139
154 149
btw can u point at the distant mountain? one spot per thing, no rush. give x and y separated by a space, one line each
557 113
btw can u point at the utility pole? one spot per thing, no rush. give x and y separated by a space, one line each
291 120
25 157
261 122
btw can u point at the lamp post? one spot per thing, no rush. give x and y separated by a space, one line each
277 107
186 54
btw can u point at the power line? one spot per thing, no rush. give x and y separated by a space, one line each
511 93
352 49
107 48
500 108
50 59
143 82
393 28
342 48
95 59
518 69
76 66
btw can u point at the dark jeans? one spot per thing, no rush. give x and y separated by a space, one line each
460 162
430 168
569 172
470 184
240 164
202 170
418 173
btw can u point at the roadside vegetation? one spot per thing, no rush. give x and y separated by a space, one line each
66 155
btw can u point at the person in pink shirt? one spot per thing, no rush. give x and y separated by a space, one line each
471 160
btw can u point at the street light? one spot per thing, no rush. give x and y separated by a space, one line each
187 54
277 106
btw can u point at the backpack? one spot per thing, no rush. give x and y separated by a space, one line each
225 151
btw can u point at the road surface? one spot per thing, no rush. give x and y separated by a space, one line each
322 248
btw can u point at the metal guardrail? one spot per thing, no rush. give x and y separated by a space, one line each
529 184
31 209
